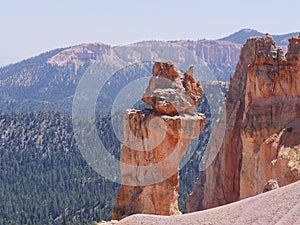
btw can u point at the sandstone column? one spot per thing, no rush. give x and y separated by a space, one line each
155 141
262 133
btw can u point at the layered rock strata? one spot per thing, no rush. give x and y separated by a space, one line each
215 52
155 141
262 133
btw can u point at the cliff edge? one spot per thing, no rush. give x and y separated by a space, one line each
262 133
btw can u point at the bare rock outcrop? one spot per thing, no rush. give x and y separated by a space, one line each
262 138
155 141
79 55
272 184
216 51
170 92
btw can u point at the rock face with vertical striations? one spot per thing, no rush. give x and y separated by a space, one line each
155 141
262 133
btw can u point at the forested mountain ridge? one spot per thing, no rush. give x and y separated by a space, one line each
43 177
49 81
241 36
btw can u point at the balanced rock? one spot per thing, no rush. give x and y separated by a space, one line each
155 141
172 92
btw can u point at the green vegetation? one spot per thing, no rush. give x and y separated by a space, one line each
45 180
43 177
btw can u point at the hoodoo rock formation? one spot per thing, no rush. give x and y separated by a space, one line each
262 133
155 141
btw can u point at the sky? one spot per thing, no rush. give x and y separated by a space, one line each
31 27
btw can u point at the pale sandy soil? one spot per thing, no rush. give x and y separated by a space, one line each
280 206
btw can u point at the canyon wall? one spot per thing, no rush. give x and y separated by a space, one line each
216 52
262 133
221 57
155 141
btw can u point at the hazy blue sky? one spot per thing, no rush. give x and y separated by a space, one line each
30 27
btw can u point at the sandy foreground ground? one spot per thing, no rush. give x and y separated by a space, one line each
280 206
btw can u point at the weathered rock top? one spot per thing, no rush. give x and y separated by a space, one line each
172 92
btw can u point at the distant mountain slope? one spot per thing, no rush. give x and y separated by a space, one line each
49 81
221 57
49 76
241 36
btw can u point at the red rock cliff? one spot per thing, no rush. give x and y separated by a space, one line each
155 141
262 133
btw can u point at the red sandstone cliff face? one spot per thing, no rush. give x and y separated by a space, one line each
155 141
262 138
